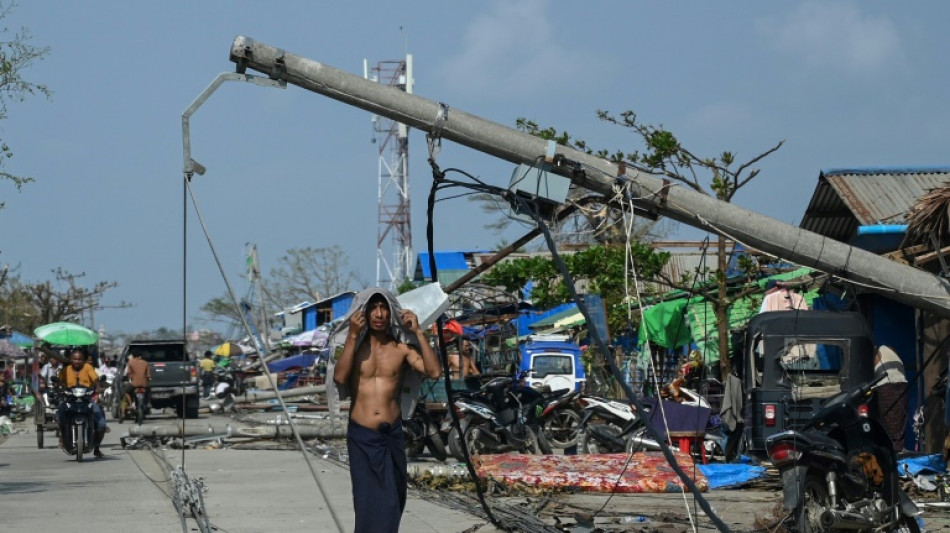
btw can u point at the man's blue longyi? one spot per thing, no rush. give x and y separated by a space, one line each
378 475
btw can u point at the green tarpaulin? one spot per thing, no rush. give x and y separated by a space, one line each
702 322
664 324
702 318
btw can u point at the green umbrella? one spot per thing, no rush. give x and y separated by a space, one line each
66 334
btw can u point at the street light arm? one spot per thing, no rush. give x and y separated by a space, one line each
191 166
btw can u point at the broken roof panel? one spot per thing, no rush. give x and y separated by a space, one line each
847 198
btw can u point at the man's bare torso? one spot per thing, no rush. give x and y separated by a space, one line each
375 383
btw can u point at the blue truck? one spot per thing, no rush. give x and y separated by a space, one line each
554 361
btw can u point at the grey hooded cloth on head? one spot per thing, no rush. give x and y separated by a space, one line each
411 380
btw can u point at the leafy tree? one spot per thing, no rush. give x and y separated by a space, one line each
16 55
29 305
600 269
663 154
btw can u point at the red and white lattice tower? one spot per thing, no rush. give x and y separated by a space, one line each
394 233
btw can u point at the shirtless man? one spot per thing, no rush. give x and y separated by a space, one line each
372 370
464 357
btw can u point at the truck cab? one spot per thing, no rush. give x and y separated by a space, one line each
174 376
553 361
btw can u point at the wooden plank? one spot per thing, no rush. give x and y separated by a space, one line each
930 256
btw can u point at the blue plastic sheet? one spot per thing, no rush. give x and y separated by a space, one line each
925 464
727 475
304 360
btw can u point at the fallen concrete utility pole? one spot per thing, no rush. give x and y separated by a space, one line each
252 397
900 282
191 430
325 429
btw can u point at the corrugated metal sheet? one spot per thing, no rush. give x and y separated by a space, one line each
443 261
847 198
460 260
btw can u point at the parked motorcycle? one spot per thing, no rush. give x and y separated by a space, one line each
80 422
502 416
839 471
610 426
422 432
561 418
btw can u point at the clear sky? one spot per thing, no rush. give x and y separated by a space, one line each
846 84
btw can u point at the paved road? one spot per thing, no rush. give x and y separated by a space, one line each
248 490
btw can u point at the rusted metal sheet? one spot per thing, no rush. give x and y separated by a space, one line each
847 198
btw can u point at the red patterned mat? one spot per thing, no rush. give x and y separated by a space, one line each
645 472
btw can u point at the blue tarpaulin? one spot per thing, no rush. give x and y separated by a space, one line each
926 465
304 360
527 318
19 339
443 261
726 475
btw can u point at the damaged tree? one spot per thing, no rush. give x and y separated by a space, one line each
664 155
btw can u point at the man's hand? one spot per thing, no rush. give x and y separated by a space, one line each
410 320
357 324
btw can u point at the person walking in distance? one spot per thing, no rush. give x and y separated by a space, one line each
207 374
890 395
383 341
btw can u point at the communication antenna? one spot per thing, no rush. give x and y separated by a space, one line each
394 226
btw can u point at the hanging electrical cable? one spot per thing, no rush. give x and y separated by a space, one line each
525 205
439 180
522 205
629 260
262 350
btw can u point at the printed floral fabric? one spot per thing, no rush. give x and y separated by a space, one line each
645 471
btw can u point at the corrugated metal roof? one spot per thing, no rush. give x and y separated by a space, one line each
847 198
460 260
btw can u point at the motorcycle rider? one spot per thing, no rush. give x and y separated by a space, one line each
50 370
139 374
80 372
107 368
